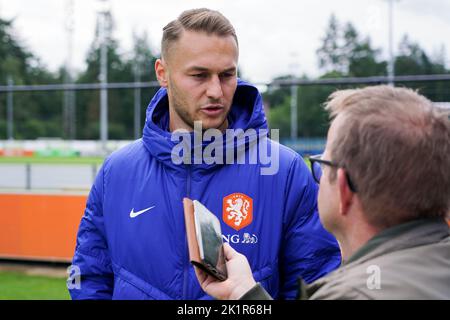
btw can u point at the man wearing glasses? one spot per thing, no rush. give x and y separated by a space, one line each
384 194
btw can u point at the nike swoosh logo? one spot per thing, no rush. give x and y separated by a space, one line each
135 214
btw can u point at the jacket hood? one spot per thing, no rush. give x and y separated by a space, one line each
246 112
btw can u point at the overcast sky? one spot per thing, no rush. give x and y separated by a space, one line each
273 34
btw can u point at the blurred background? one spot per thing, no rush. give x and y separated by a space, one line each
76 77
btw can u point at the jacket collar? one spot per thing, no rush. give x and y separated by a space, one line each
407 235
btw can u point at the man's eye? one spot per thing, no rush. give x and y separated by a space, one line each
199 75
227 75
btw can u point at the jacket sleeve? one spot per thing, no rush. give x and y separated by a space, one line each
308 251
91 256
256 293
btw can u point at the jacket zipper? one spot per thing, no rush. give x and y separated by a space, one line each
187 262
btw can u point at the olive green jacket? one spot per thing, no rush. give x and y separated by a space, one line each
408 261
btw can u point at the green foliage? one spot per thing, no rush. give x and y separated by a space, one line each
137 66
329 54
13 58
279 116
312 118
41 114
412 59
34 113
345 53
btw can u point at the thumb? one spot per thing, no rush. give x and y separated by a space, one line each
229 252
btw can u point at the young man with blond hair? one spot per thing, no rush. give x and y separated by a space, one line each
132 242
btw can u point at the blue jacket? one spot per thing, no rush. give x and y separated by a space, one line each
146 257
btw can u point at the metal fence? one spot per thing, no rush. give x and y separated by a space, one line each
423 83
48 177
10 90
33 176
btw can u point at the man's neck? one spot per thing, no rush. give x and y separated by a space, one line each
356 236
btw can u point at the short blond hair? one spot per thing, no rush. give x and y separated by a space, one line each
201 20
396 148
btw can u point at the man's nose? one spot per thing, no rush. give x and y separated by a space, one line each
214 90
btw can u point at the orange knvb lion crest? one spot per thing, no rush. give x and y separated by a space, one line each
237 210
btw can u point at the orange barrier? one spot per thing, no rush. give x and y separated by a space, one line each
16 153
39 227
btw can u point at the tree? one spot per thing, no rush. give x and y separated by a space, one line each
87 102
344 53
413 60
142 62
312 119
120 101
34 113
358 56
13 57
329 54
39 114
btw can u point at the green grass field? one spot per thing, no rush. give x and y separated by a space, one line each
19 286
52 160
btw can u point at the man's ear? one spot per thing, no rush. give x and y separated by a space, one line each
345 193
161 72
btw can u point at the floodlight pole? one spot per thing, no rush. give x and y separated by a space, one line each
103 75
10 110
294 97
137 91
294 115
391 63
69 95
137 103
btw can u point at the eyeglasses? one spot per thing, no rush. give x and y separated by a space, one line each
317 165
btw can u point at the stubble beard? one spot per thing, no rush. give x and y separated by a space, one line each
177 104
179 107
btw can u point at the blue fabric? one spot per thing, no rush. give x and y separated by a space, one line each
147 257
